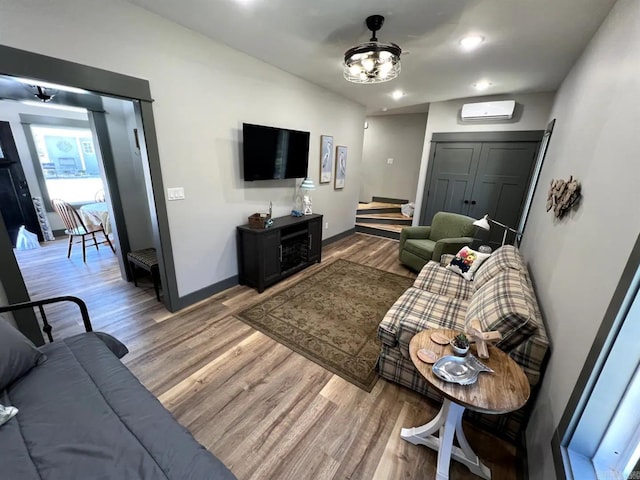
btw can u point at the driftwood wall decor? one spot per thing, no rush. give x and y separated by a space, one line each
563 195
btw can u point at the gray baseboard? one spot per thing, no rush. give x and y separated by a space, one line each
339 236
206 292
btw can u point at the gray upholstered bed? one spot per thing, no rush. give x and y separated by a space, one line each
84 415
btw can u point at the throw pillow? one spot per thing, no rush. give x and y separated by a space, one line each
17 355
466 262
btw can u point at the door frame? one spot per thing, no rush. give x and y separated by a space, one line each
21 63
471 137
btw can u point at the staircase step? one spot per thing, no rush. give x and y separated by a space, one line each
380 229
385 218
389 200
378 207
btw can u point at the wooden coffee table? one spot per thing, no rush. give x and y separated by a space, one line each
501 392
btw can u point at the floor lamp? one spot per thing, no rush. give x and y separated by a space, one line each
483 223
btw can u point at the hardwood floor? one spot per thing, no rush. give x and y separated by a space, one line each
265 411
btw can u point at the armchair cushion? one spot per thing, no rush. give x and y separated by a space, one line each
423 248
451 225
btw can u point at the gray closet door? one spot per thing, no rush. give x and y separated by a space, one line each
503 174
454 170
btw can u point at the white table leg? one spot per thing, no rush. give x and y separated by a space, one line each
448 422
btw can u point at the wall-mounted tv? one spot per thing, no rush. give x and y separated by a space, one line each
274 153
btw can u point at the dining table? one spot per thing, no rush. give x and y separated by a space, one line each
96 214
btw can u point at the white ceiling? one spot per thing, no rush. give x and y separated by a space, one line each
529 45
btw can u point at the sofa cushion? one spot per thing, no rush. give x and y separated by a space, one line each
437 279
17 354
504 303
420 247
507 257
417 310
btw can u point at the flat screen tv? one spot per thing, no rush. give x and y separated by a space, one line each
274 153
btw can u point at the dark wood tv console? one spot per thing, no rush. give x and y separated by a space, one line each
266 256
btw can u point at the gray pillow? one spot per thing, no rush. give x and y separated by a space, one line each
17 355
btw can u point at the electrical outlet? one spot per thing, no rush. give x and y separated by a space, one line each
390 161
175 193
326 225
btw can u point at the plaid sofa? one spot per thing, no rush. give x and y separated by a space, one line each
501 296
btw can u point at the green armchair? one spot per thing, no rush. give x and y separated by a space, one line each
448 233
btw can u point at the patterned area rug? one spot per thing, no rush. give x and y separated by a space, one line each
332 317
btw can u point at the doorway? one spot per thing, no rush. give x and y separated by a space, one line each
23 64
476 174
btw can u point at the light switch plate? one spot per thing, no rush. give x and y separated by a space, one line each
390 161
175 193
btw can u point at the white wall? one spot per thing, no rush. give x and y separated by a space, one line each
392 136
202 92
576 262
10 112
532 113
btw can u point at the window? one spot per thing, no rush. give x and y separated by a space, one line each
69 165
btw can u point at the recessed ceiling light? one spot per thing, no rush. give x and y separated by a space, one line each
397 94
471 42
482 85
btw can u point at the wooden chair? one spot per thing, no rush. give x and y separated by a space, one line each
75 227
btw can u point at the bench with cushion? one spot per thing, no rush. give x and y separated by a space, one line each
500 295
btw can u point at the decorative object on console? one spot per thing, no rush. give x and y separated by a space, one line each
460 344
563 195
326 158
466 262
483 223
372 61
259 220
341 167
305 187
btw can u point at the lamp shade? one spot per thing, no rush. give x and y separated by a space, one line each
483 223
307 184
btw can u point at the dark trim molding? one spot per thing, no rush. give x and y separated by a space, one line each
558 461
21 63
99 122
499 136
206 292
594 363
16 291
339 236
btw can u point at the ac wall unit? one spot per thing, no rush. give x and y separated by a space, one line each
501 110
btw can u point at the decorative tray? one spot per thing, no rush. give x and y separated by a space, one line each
461 370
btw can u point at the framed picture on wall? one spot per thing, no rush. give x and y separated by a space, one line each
341 167
326 158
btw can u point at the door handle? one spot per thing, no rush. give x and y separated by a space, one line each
280 248
466 201
473 202
310 241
